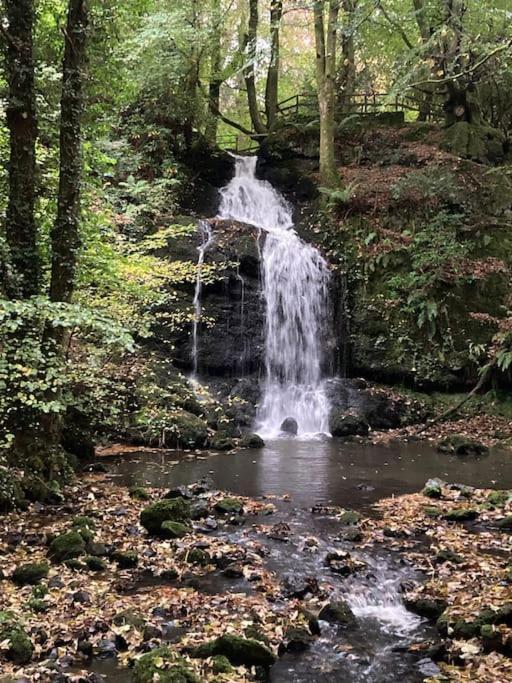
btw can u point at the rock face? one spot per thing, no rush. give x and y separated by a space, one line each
290 426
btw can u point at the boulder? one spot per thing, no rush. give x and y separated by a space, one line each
19 648
229 506
164 666
30 574
433 488
67 546
461 515
290 426
175 510
458 444
296 639
171 529
347 424
337 612
221 665
125 559
222 441
239 651
431 608
252 441
139 493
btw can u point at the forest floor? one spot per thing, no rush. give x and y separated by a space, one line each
126 592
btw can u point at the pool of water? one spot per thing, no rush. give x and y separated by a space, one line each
327 471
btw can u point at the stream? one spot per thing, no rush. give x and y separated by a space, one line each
326 471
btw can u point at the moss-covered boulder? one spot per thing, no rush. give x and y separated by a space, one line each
229 506
499 498
138 493
505 523
221 665
222 441
95 564
174 529
164 666
458 444
239 651
349 518
337 612
30 574
19 648
252 441
85 526
67 546
433 488
174 510
344 424
431 608
461 515
125 559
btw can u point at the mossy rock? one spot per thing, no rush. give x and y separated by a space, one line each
38 605
221 665
198 556
19 646
449 556
164 666
222 441
433 489
252 441
337 612
431 608
11 492
67 546
95 564
239 651
139 493
229 506
30 574
499 498
75 565
130 617
458 444
173 510
461 515
505 523
346 424
85 526
433 512
174 529
350 518
125 559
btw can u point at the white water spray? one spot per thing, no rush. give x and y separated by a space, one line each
295 288
206 240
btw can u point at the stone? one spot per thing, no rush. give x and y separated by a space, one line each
30 574
222 441
431 608
346 424
296 639
458 444
499 498
178 492
461 515
131 618
252 441
164 666
198 510
174 530
349 517
337 612
298 586
95 564
198 556
229 506
125 559
97 549
139 493
505 523
221 665
342 563
152 517
433 488
290 426
85 526
67 546
239 651
446 555
19 648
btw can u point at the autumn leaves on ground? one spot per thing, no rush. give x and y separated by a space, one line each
124 572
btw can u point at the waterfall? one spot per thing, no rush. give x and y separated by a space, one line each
295 289
206 239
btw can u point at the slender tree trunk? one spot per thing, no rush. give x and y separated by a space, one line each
325 42
20 226
250 78
215 77
346 76
272 87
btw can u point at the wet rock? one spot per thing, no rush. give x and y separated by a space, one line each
178 492
458 444
337 612
352 535
342 563
82 597
56 582
349 517
67 546
299 586
138 493
428 668
198 556
106 648
18 646
296 639
222 441
129 617
461 515
433 488
234 571
163 665
346 424
239 651
290 426
505 523
200 487
169 574
125 559
229 506
85 648
198 510
252 441
208 525
174 530
174 510
431 608
97 549
151 633
30 574
366 488
280 532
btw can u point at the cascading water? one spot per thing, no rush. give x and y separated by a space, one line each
295 288
206 239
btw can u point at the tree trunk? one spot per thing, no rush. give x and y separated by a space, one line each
325 76
272 87
20 225
250 78
346 76
215 77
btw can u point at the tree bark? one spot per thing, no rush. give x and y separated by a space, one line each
215 77
250 78
20 225
346 76
65 237
325 42
272 87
